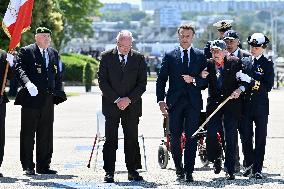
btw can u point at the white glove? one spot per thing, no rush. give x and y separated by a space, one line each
31 88
10 59
243 77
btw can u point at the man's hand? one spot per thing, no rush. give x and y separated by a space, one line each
123 103
236 94
31 88
204 73
188 79
164 108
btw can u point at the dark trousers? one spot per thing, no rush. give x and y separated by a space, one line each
254 156
131 145
2 130
183 117
227 120
37 121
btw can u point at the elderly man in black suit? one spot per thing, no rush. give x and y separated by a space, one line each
3 99
182 67
122 79
37 69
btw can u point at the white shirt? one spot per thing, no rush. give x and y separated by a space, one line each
236 52
182 53
45 55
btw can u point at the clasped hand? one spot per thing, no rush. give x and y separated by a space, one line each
123 103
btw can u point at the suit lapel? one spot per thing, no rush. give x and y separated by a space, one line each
178 56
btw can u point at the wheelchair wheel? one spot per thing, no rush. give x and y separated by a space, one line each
204 160
163 156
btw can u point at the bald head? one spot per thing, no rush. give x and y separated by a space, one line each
124 41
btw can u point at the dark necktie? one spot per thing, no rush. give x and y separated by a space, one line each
43 56
122 62
185 57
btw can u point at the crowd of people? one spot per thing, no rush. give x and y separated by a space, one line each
242 79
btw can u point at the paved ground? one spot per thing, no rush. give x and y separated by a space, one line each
74 130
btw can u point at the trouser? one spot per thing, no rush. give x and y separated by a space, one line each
254 156
2 130
183 117
131 145
37 121
226 119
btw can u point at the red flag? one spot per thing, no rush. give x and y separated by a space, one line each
17 20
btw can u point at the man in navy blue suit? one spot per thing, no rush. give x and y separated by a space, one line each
182 67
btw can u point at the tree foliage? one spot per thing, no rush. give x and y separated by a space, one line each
66 19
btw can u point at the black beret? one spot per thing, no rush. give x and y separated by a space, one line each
43 30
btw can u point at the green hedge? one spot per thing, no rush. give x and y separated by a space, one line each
74 66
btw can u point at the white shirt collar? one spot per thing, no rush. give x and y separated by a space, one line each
258 57
181 49
41 50
236 52
119 53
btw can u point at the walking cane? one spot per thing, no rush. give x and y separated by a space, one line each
211 115
92 151
144 152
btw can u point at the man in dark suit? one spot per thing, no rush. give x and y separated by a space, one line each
3 100
122 79
222 83
232 41
259 75
37 71
182 67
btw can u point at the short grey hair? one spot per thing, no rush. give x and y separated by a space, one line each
124 34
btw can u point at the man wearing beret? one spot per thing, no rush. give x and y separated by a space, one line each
259 75
37 69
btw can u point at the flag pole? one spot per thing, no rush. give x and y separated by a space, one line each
4 80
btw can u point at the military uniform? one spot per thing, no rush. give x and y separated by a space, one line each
256 107
37 113
222 26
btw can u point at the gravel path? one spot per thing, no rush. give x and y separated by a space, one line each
74 131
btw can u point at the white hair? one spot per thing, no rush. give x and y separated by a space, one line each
124 34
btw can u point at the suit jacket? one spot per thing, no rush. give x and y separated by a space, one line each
215 96
242 53
262 73
30 66
172 68
3 63
116 82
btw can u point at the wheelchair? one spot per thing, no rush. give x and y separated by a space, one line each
165 146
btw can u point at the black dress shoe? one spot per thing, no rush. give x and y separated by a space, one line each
217 165
109 177
230 176
188 177
1 175
46 171
257 175
134 175
180 174
247 171
29 171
